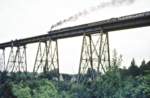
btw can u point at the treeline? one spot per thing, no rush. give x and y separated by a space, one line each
133 82
134 70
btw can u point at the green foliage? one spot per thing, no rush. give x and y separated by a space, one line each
133 82
21 91
115 83
133 69
5 90
64 94
147 89
44 89
78 91
145 68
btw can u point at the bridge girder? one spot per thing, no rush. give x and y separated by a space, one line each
113 24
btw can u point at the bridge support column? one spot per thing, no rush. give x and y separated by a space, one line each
47 60
17 61
2 60
95 56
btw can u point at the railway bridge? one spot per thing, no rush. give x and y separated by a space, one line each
95 55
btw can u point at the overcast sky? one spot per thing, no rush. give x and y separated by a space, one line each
26 18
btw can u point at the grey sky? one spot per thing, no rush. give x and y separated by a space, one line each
25 18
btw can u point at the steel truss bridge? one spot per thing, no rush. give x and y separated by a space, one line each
95 55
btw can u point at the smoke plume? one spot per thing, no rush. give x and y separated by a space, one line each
92 9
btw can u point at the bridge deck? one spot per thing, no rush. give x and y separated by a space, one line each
113 24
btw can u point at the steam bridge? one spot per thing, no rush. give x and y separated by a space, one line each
95 53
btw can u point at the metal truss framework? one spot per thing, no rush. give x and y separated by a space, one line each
17 60
95 56
2 60
47 57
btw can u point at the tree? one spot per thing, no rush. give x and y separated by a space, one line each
112 85
78 91
147 82
21 91
5 90
145 68
133 69
142 67
4 77
43 89
116 60
66 77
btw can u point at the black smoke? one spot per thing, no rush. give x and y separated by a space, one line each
92 9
